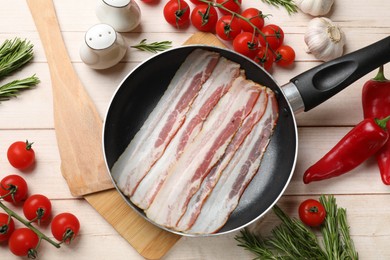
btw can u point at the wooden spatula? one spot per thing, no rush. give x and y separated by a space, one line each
79 130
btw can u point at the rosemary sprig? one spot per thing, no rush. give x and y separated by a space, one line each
329 228
293 240
14 54
12 88
289 5
153 47
335 230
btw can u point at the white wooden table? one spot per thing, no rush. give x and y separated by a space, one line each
30 116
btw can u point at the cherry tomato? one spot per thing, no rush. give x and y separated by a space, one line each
247 44
312 212
255 16
6 228
228 27
265 58
65 227
23 242
285 56
204 17
232 5
177 13
21 155
17 185
37 207
273 35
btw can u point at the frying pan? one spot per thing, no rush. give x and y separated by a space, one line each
142 88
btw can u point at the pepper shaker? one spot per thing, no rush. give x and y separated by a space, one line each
122 15
102 47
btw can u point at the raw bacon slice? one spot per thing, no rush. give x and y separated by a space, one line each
196 202
213 89
151 140
199 157
227 192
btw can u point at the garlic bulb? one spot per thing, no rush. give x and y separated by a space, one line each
324 39
314 7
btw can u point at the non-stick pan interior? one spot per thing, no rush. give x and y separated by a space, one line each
137 96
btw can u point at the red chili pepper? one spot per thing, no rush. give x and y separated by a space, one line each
363 141
376 104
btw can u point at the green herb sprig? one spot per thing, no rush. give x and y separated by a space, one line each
289 5
13 88
153 47
293 240
13 55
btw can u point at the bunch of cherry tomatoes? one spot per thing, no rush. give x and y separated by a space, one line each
247 30
37 208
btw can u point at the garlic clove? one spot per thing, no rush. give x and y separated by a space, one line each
315 7
324 39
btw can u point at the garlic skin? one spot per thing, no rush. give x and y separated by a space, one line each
324 39
314 7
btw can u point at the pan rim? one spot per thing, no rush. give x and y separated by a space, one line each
278 91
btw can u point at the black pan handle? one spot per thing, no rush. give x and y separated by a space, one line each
322 82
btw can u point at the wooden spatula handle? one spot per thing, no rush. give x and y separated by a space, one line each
77 122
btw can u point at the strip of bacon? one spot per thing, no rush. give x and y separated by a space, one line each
237 175
213 89
151 140
196 202
201 155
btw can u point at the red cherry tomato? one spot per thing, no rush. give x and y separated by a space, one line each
312 212
247 44
285 56
265 58
65 227
204 17
228 27
7 226
232 5
273 35
177 13
255 16
23 242
15 184
37 207
21 155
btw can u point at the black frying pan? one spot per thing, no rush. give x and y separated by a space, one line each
140 91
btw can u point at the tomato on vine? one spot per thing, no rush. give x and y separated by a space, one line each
21 155
273 35
228 27
204 17
247 44
177 13
7 226
23 242
65 227
37 207
312 212
285 56
232 5
255 16
265 58
13 188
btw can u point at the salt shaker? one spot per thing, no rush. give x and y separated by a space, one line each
103 47
122 15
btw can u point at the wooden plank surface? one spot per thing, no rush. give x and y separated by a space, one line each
30 116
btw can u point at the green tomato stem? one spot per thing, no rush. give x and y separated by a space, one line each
29 225
255 29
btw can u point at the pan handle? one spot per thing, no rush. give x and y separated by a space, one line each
324 81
